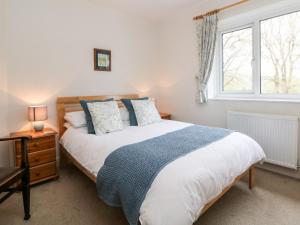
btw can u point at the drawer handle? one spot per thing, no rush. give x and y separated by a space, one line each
37 160
37 174
36 144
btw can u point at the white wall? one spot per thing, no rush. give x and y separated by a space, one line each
4 154
50 54
179 65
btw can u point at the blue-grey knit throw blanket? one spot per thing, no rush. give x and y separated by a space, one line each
129 171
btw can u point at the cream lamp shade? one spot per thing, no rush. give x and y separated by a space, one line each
37 114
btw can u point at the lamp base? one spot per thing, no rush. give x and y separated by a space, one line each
38 126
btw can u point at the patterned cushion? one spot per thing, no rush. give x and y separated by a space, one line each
124 114
106 116
89 122
145 112
128 105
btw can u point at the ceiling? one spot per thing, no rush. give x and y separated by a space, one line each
149 9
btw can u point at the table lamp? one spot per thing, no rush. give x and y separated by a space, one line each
38 114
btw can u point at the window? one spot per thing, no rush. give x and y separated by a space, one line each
261 59
280 54
237 57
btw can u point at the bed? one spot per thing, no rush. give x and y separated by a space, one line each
202 177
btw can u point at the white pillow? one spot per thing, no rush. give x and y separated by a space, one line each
106 116
124 114
145 112
67 125
76 119
126 123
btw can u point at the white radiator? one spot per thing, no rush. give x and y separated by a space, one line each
277 135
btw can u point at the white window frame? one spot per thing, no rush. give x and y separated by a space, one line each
221 61
232 25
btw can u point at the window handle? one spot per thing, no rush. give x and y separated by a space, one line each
252 62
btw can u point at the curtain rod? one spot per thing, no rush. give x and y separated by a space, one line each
220 9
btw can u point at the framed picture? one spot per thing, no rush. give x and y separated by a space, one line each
102 60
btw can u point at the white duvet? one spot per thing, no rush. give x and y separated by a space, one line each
183 187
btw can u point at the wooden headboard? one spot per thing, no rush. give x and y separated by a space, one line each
72 104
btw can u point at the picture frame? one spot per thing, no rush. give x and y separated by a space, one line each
102 60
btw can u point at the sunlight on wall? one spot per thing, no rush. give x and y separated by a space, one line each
143 88
33 97
18 103
167 83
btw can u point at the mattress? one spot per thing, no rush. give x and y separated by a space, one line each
183 187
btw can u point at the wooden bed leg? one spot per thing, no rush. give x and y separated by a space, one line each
251 178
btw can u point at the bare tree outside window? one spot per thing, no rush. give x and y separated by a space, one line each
280 55
237 61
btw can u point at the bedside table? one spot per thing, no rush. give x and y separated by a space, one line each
165 116
41 154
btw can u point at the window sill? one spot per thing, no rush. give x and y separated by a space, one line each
255 99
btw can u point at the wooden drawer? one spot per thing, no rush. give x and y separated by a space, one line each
37 144
42 171
37 158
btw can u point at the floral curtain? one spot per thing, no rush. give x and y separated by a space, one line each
206 31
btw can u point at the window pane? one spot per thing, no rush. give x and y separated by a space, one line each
237 61
280 55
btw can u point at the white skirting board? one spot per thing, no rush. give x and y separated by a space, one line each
278 135
295 174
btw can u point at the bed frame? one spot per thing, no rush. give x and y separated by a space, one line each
71 104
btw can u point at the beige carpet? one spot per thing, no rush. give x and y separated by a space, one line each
72 200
